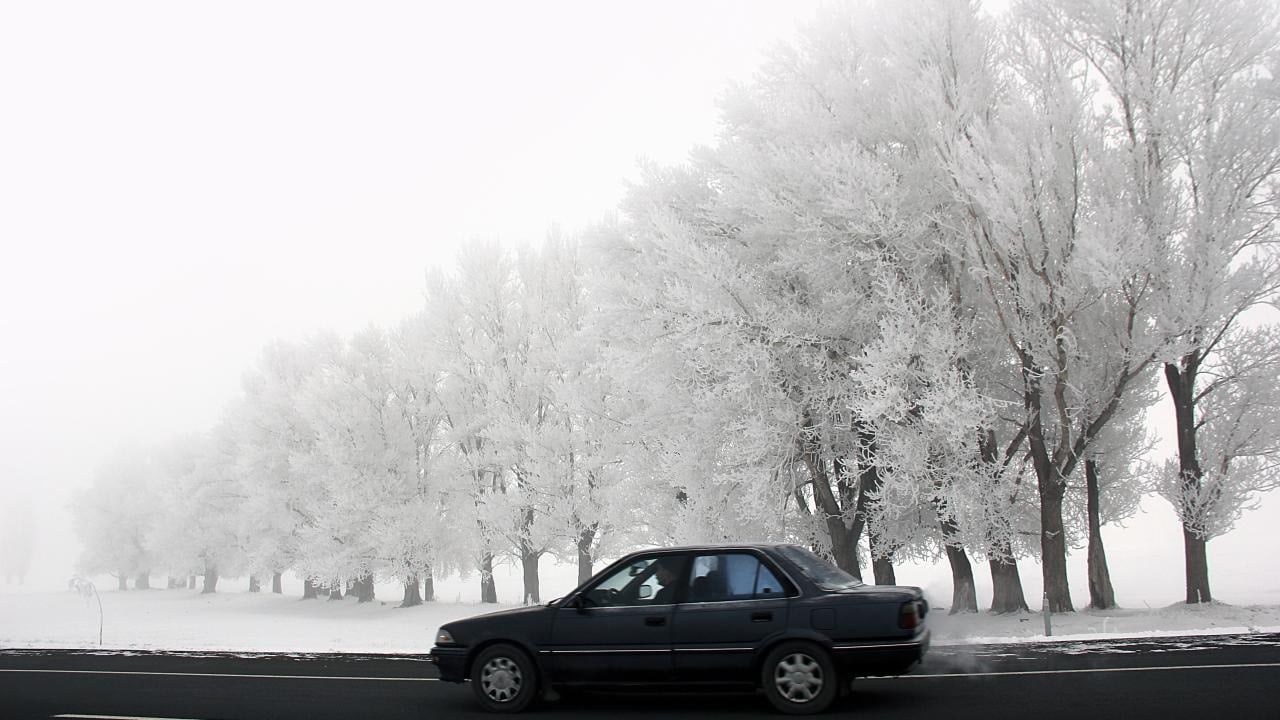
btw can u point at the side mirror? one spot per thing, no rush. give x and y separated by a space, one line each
645 592
579 603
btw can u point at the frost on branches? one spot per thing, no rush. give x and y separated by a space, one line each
912 304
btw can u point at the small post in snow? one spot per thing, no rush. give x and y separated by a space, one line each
1048 624
87 589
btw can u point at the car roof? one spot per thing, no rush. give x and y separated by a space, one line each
712 547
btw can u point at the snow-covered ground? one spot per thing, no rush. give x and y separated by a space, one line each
238 620
1145 559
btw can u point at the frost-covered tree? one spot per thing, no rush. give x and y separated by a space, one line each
530 428
1116 477
1237 435
908 306
421 539
509 329
363 457
272 437
376 506
1190 93
785 284
199 528
116 515
1068 287
469 318
939 78
573 451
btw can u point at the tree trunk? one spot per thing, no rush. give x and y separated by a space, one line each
964 595
335 590
1006 587
801 504
1051 486
191 582
412 597
488 588
529 566
277 583
172 583
429 586
868 484
1053 548
585 539
310 589
881 562
210 581
1181 382
1006 582
528 555
882 569
122 581
142 581
844 544
254 584
1197 568
364 589
1102 596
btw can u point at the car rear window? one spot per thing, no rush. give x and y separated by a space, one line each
819 571
731 576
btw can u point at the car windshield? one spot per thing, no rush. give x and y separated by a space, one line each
822 573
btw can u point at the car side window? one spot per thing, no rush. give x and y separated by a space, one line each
767 584
731 576
641 582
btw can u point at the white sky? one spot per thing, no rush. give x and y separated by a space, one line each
182 182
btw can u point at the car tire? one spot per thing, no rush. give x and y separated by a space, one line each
504 679
799 678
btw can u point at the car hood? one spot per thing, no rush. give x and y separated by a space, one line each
478 627
512 613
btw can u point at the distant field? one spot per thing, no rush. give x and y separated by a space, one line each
238 620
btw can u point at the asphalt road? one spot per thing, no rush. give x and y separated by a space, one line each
1206 678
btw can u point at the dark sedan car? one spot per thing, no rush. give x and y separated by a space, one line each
775 617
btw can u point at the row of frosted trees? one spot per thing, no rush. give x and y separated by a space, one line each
918 301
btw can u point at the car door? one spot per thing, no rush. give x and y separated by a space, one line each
618 630
733 602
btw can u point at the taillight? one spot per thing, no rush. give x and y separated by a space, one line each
909 616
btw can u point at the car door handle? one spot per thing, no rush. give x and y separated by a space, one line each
761 617
655 621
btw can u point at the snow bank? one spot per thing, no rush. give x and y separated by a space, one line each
1174 620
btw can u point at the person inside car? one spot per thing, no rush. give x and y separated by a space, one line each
665 574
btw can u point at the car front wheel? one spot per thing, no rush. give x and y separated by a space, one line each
799 678
504 679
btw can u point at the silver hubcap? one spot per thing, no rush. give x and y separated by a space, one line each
501 679
798 678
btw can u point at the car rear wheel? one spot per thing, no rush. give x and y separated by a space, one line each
799 678
504 679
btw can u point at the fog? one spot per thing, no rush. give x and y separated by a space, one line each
183 183
180 184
